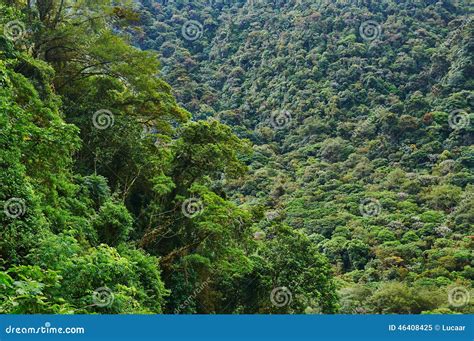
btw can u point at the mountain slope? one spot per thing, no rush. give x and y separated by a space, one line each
360 116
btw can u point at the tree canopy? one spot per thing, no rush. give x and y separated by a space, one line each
236 157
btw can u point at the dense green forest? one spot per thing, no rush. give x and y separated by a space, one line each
236 156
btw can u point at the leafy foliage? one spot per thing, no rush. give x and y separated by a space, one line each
367 122
317 167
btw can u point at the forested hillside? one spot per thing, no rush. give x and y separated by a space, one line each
236 156
359 112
